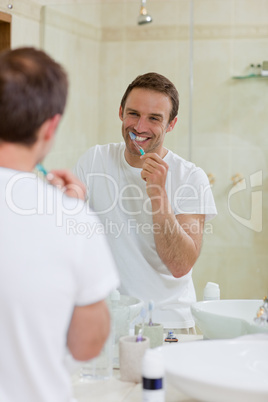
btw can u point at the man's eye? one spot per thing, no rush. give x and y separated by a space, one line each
154 118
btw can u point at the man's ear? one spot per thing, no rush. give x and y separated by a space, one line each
171 125
51 126
121 113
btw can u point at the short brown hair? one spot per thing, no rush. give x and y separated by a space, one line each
155 82
33 88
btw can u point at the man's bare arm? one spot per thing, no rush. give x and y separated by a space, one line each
178 238
88 330
179 241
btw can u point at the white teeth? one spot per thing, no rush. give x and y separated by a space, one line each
140 138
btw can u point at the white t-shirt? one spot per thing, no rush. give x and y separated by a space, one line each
45 270
117 193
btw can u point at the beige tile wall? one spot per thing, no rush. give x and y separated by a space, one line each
103 49
229 137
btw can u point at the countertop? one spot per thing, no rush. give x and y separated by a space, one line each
115 390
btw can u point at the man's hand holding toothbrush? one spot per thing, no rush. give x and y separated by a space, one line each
154 172
68 183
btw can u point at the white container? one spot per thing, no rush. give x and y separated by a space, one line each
212 291
131 354
153 376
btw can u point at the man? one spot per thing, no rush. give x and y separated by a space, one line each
53 283
153 206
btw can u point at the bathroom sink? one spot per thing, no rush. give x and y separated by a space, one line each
135 305
222 319
233 370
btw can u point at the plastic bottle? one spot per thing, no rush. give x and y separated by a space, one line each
153 376
119 322
212 291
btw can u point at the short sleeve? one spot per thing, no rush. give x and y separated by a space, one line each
195 196
94 267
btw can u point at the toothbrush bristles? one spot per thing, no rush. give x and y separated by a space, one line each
132 135
139 336
151 307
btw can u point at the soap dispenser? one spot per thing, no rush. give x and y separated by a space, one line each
212 291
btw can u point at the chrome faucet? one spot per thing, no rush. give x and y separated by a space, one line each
262 313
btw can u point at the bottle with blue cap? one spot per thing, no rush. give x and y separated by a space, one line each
153 376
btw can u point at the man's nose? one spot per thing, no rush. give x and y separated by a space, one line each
141 125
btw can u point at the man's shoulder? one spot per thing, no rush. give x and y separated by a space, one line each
178 162
184 170
107 148
99 155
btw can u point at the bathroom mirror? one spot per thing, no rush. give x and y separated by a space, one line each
222 122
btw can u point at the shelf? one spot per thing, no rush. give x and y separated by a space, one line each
245 77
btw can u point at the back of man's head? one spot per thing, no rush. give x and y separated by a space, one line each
33 89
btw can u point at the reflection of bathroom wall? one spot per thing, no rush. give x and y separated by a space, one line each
103 50
25 22
230 136
129 50
72 35
106 50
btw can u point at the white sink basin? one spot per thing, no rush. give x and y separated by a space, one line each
221 319
220 370
135 305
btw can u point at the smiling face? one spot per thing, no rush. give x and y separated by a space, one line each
146 114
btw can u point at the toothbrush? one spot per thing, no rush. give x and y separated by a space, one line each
151 307
139 336
41 169
143 314
133 137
